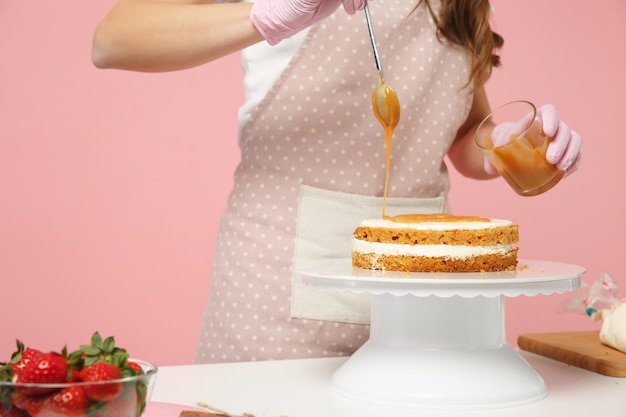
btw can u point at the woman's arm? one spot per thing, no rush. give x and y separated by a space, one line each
168 35
466 156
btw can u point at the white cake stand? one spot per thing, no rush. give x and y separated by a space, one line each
437 340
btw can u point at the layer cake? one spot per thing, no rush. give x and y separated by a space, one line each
435 243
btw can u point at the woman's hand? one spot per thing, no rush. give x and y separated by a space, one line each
279 19
565 143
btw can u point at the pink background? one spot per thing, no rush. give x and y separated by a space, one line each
112 183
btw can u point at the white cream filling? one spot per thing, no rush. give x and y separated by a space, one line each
431 251
388 224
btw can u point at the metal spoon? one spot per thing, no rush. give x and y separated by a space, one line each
385 102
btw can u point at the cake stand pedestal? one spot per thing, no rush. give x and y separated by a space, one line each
437 340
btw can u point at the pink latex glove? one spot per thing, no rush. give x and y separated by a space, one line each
564 148
279 19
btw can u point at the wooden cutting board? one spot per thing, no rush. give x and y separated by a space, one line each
580 349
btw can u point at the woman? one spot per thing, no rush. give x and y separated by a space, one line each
312 153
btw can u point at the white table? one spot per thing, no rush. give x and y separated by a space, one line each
301 388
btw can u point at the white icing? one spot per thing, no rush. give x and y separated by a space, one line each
388 224
449 251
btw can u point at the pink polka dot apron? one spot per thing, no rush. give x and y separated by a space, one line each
313 166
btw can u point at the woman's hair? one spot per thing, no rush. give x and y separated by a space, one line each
466 23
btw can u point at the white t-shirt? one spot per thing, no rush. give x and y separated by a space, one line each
262 65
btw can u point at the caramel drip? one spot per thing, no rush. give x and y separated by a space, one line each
388 135
411 218
436 217
392 107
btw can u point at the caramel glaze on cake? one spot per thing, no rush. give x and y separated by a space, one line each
435 243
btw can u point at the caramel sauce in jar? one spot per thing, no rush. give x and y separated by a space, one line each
522 163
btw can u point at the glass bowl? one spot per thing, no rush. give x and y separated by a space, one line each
70 399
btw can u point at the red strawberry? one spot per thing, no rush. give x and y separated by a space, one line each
68 402
47 368
22 359
12 411
76 363
102 372
135 367
32 404
77 375
125 405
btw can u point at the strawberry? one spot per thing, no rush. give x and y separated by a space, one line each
102 372
68 402
11 411
135 367
103 350
47 368
76 375
32 404
125 405
22 357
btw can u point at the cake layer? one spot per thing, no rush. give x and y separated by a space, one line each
480 263
483 232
